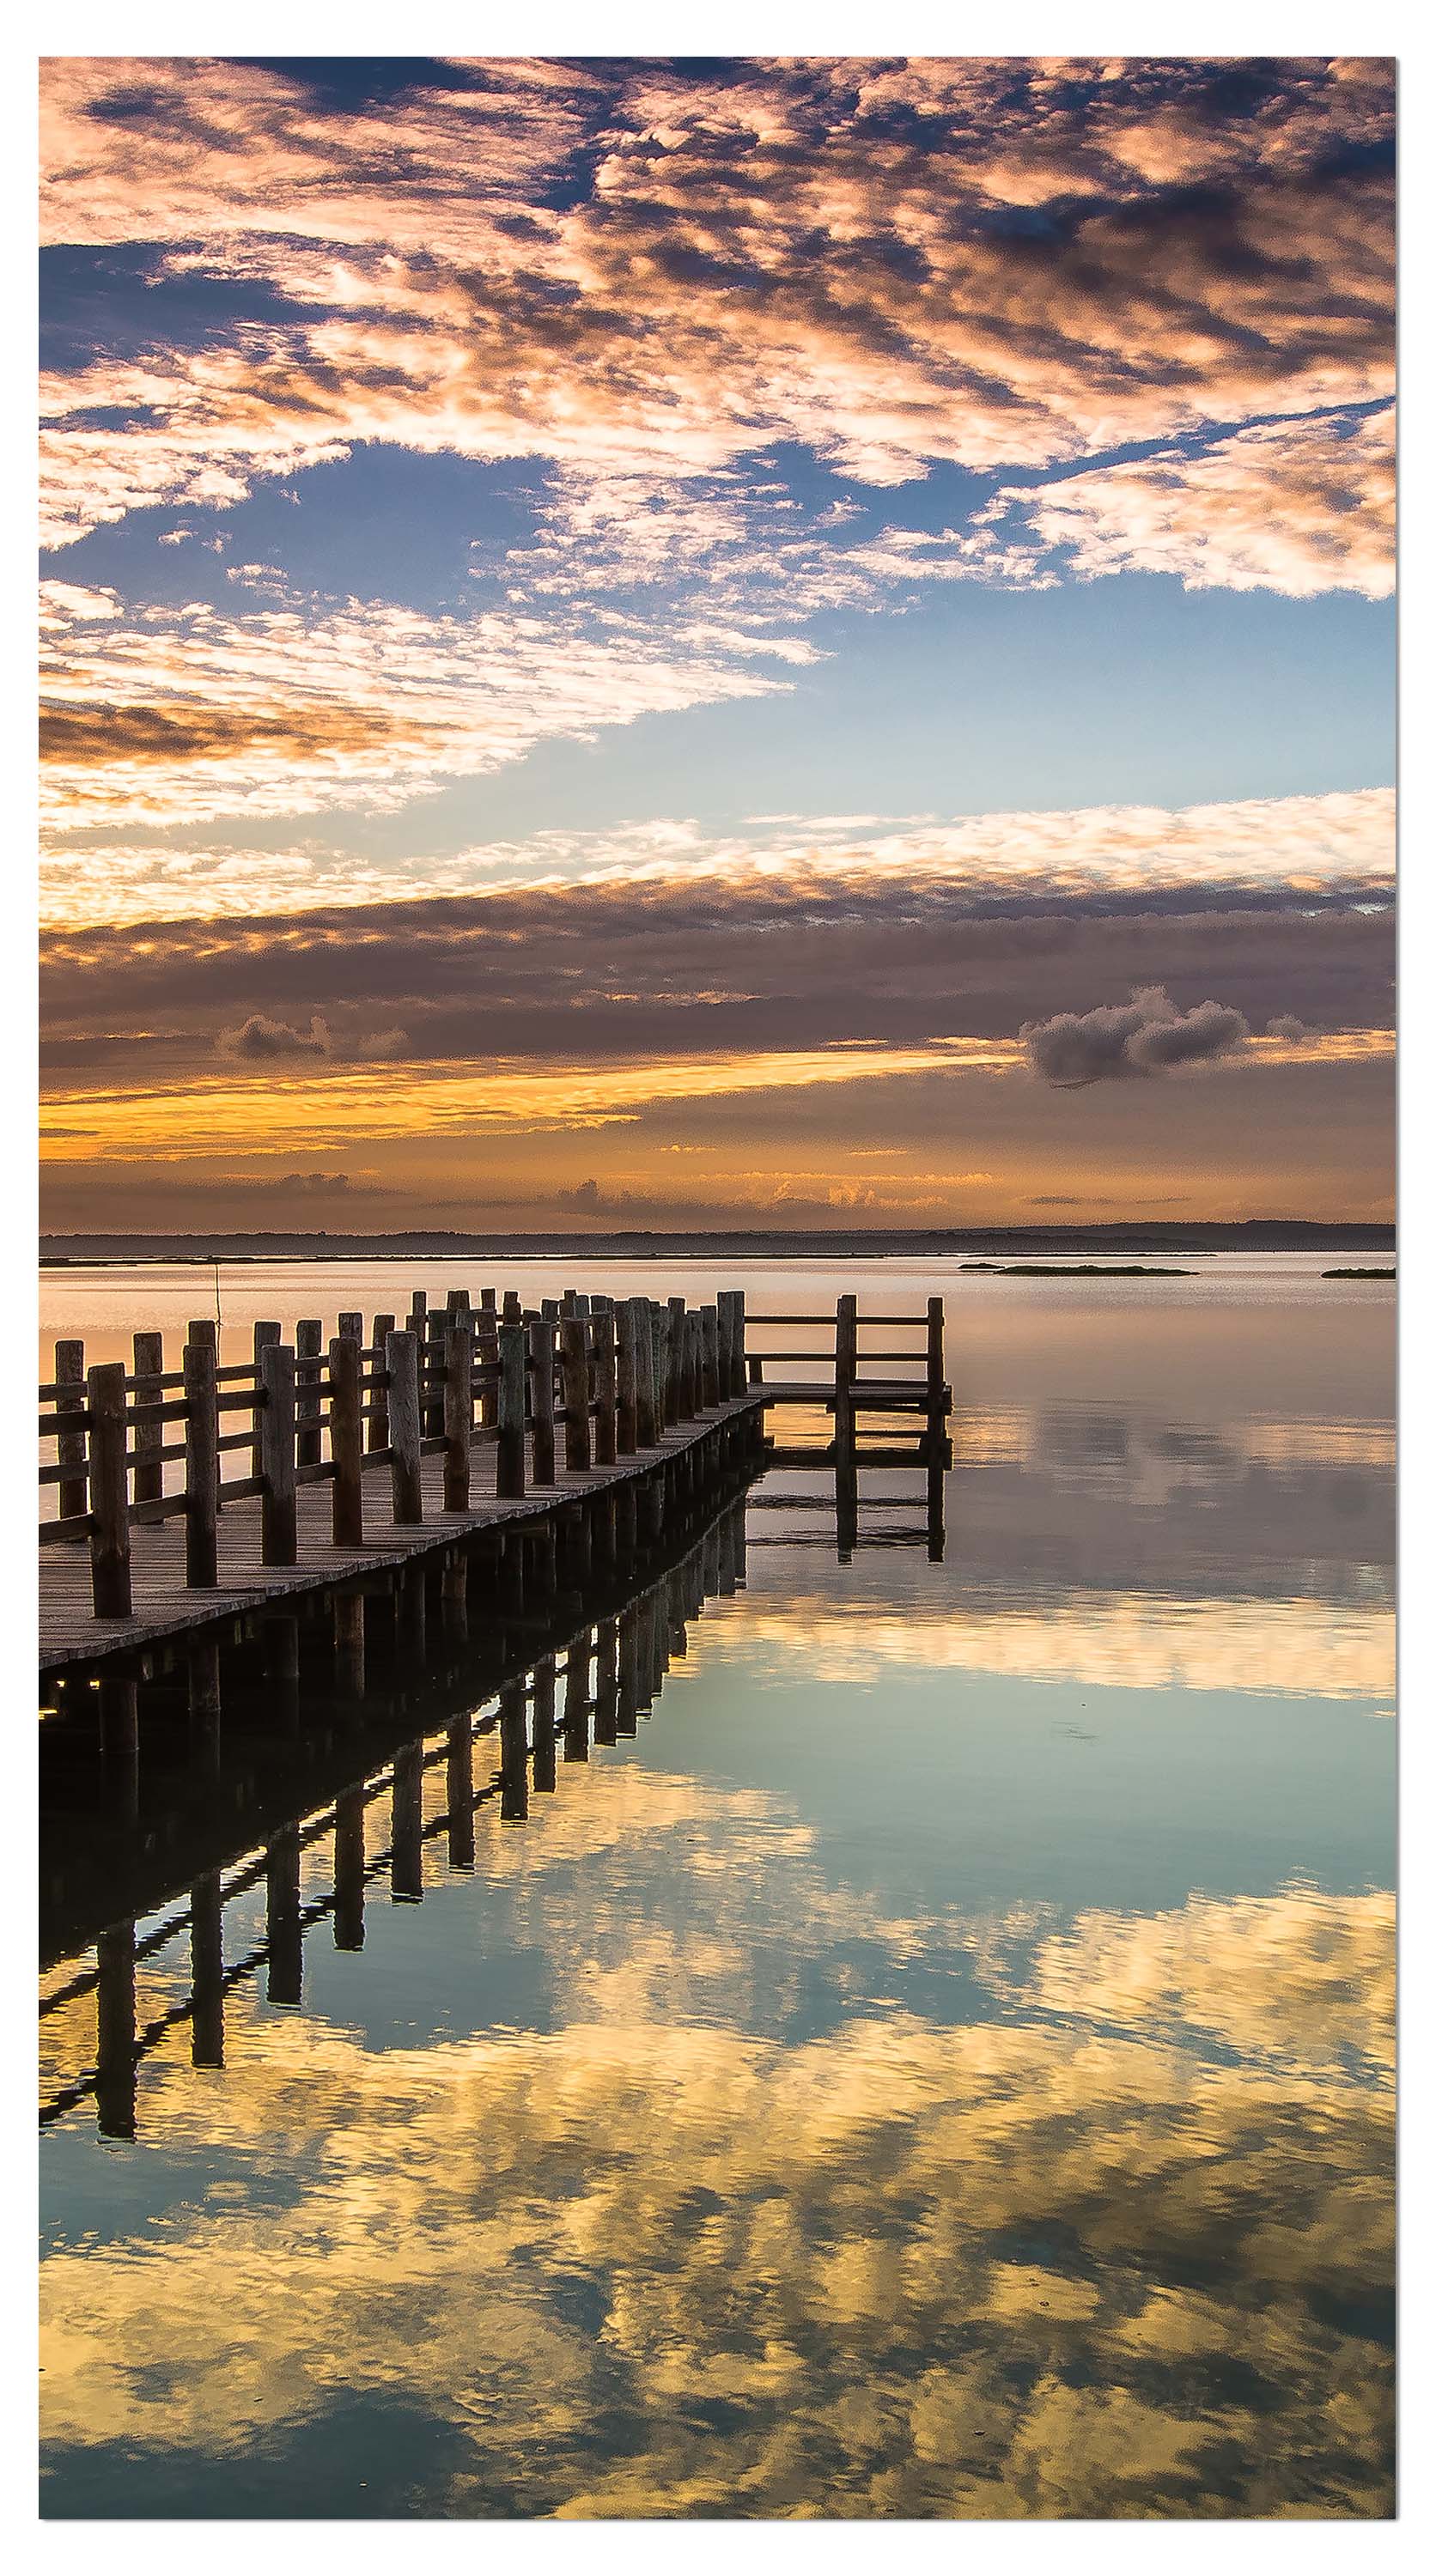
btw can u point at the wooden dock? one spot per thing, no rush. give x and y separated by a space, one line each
372 1453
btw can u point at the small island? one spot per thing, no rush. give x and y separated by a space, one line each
1358 1274
1103 1270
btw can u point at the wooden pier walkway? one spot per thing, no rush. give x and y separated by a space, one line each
369 1452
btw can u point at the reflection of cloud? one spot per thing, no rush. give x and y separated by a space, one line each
1297 1976
1113 1640
1115 2312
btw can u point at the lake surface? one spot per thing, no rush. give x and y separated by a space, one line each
939 2065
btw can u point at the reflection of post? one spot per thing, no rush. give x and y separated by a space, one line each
120 1745
349 1870
349 1644
544 1744
575 1700
712 1559
846 1489
204 1713
629 1642
605 1697
738 1522
406 1859
936 1483
281 1669
206 1971
454 1598
513 1754
460 1789
115 2038
285 1933
674 1613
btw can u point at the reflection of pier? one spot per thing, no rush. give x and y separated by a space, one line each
604 1654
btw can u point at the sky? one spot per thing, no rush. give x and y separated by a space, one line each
716 642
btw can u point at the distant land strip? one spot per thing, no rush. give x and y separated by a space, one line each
1254 1234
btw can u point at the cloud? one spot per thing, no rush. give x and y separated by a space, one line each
660 268
1292 506
1311 847
1130 1040
318 1184
259 1038
180 713
1286 1025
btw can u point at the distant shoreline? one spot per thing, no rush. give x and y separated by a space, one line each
1275 1234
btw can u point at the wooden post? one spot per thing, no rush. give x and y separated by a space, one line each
279 1524
540 1333
626 1423
509 1481
573 1362
730 1376
936 1433
662 1392
486 1344
201 1464
432 1358
70 1448
264 1334
712 1374
149 1481
204 1329
605 1387
401 1361
845 1369
675 1400
346 1440
351 1326
513 1310
645 1398
693 1344
308 1346
379 1391
206 1971
109 1494
458 1414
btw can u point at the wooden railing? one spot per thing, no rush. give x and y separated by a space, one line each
612 1375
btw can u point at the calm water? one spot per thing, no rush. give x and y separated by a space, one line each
940 2065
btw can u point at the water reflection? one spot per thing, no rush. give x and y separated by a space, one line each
816 2100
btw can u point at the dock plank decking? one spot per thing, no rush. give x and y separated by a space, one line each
164 1606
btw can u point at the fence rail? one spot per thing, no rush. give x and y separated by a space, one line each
606 1377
